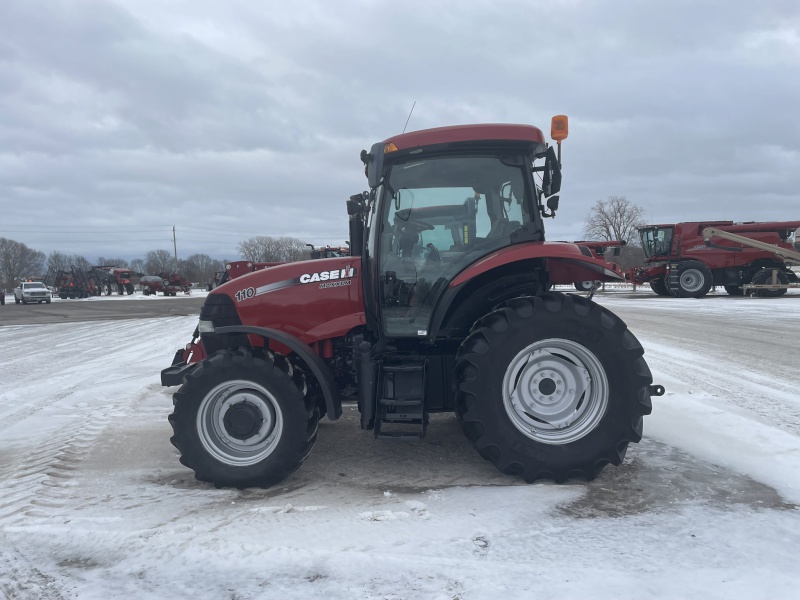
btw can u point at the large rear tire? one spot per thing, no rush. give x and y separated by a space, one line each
694 279
552 386
241 420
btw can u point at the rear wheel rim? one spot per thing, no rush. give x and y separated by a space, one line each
555 391
692 280
239 423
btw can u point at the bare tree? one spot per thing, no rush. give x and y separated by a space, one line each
270 249
58 261
63 262
18 261
200 267
159 261
615 218
79 262
117 262
137 265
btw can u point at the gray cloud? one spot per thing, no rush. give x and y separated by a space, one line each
121 119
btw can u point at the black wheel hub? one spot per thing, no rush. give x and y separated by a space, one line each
243 420
547 386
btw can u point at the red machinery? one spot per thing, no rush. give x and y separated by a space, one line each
687 259
443 306
168 284
598 249
111 278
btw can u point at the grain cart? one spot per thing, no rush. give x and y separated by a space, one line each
168 284
443 306
681 261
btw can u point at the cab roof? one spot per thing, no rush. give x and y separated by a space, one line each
468 133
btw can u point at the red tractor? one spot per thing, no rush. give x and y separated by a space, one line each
443 306
687 259
112 278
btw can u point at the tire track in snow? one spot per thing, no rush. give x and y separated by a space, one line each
772 401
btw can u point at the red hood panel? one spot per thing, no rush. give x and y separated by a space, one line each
312 299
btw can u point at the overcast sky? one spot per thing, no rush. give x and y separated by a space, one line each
121 119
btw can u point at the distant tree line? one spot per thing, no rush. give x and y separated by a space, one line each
18 261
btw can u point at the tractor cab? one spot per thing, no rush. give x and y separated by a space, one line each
442 202
656 241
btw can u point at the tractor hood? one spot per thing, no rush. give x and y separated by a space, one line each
312 299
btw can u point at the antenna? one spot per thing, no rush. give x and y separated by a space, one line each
409 116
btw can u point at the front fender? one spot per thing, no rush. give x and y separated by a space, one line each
333 400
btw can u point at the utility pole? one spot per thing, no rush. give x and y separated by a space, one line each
175 245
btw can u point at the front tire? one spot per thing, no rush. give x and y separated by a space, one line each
552 386
764 277
659 286
694 279
241 420
586 286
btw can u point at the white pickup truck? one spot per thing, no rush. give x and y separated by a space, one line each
31 291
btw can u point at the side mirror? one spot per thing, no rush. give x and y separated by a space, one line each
373 163
552 204
551 181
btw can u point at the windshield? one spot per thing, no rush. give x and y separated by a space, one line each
438 216
656 241
35 285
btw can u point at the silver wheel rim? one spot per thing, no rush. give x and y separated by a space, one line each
555 391
216 438
691 280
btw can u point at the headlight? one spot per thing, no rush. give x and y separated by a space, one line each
205 326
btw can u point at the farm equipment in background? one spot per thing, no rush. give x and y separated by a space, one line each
443 306
111 278
72 283
597 249
237 268
216 281
328 251
168 284
684 260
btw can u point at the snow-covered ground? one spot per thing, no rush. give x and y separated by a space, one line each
94 504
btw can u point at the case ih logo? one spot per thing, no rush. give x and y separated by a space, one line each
326 279
340 274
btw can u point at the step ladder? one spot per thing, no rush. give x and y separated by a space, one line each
401 413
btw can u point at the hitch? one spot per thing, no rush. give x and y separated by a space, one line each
657 390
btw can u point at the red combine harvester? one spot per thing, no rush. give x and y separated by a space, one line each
443 306
168 284
687 259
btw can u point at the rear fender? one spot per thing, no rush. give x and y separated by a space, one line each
565 263
316 365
